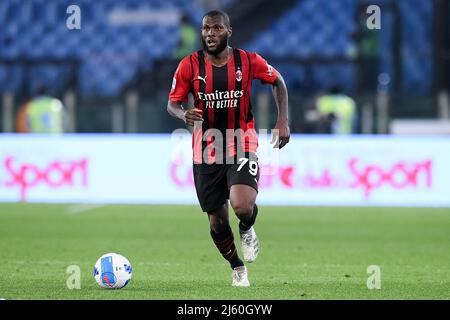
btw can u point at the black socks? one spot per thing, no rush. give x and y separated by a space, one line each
224 241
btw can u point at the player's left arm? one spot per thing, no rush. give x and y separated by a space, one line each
269 75
279 91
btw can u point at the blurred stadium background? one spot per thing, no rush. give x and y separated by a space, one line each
107 83
114 73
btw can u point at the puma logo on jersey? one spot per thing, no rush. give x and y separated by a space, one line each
203 79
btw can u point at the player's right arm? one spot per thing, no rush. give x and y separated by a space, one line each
189 116
179 94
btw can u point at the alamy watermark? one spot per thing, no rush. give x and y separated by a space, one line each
73 21
74 279
374 279
228 146
374 20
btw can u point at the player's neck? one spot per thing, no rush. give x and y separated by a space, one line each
220 59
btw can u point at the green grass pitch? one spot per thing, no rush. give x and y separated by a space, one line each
306 253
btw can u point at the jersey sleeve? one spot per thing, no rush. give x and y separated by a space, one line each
262 70
181 83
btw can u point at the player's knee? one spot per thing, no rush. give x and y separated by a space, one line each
243 210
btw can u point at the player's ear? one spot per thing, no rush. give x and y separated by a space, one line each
230 31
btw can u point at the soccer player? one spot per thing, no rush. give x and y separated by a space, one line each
224 137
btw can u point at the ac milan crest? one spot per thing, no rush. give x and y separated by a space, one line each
238 75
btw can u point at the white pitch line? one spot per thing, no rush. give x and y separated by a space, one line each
81 208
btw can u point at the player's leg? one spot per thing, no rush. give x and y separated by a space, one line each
222 235
223 238
212 192
242 198
243 184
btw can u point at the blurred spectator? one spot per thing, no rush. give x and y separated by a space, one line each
313 121
188 38
42 114
335 112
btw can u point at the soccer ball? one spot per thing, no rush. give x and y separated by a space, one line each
112 271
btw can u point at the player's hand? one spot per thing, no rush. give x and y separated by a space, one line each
281 134
192 115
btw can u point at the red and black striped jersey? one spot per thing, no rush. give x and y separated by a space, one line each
224 96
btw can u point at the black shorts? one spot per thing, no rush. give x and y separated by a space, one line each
213 181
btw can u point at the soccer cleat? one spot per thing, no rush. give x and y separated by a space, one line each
240 278
250 244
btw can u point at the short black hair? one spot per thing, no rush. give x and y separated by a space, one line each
219 13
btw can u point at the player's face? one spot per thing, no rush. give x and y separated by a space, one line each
215 35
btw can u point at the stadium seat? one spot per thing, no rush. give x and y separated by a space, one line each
102 47
305 34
